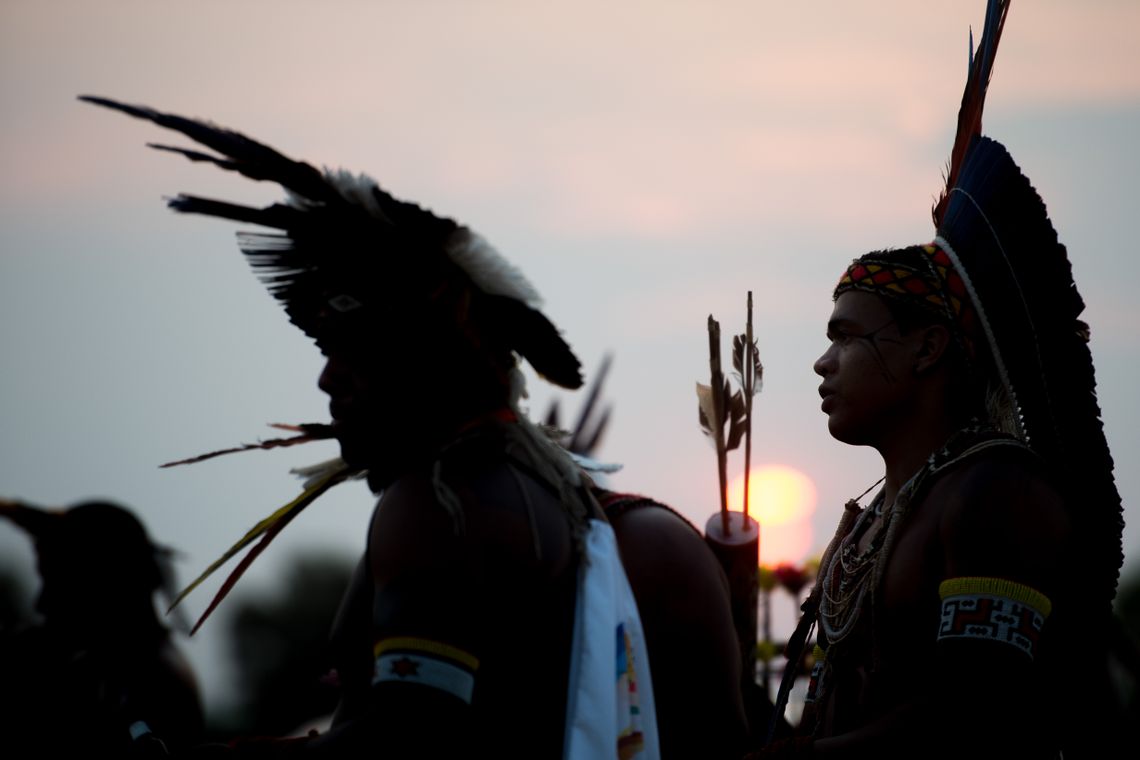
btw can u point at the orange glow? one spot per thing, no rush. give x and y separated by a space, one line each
782 499
776 495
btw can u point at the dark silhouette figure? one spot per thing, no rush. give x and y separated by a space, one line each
483 616
99 674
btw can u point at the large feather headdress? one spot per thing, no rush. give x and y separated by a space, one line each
996 230
347 252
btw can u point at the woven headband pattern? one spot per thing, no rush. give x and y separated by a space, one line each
931 283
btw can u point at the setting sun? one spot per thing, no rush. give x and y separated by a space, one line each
782 499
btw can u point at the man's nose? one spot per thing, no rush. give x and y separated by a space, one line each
331 375
824 364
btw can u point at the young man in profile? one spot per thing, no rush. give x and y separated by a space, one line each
965 611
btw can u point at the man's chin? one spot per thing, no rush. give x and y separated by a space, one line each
383 462
354 455
843 433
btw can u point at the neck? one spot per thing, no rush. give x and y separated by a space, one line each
905 454
412 451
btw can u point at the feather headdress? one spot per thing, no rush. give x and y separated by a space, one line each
347 252
996 230
346 257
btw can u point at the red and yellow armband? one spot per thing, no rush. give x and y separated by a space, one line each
405 659
992 609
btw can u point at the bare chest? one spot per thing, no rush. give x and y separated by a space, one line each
886 576
906 602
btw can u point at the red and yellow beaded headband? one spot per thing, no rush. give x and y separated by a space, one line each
926 279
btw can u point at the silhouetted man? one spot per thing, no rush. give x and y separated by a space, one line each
100 674
483 618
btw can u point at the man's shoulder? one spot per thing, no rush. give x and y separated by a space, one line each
983 470
653 530
644 513
995 478
471 503
1000 509
660 547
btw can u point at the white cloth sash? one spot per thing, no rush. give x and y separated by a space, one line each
610 711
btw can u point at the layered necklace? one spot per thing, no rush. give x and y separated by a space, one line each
851 573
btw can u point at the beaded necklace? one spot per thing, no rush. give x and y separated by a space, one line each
851 574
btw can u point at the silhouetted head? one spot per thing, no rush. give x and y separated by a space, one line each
95 559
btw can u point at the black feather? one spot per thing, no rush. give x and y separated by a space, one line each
537 340
249 157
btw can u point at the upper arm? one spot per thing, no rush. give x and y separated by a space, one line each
1004 520
470 623
979 594
423 632
1004 536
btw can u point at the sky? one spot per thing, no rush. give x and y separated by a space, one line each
645 163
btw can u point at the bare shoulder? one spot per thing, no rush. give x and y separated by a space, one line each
663 548
447 545
408 524
1000 515
428 517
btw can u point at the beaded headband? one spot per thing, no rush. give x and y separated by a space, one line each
925 279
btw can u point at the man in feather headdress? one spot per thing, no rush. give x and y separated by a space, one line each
483 617
966 610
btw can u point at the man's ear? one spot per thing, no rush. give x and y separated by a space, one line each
934 341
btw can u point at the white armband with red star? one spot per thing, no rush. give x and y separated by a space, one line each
406 659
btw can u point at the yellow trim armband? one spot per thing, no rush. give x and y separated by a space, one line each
406 659
992 609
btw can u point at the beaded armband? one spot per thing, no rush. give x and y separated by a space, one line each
429 663
992 609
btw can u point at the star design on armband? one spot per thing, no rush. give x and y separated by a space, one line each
405 667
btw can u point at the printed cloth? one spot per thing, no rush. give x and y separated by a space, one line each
609 708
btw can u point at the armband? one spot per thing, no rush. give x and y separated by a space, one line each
992 609
429 663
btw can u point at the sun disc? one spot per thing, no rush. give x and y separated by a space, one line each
777 494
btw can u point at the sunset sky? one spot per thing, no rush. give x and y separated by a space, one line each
646 164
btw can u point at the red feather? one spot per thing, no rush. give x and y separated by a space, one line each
309 432
973 98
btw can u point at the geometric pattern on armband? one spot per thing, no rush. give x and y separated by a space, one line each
406 659
993 609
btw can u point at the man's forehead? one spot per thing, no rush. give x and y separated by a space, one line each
857 307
